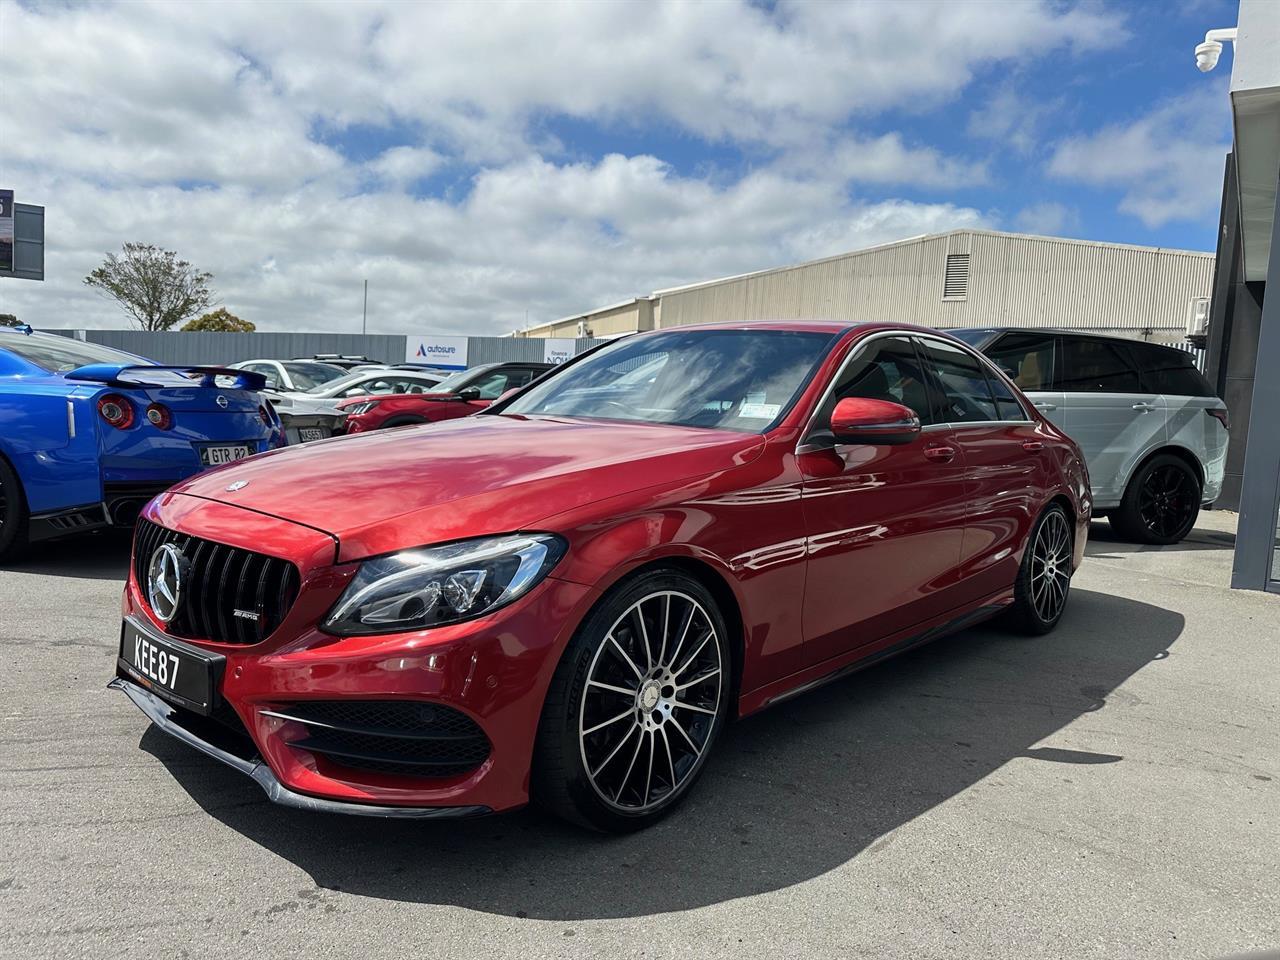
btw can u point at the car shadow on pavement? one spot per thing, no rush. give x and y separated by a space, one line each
1103 539
93 556
791 794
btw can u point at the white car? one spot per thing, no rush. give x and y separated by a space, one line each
305 393
1152 431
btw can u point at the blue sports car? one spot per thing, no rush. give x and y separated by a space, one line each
89 434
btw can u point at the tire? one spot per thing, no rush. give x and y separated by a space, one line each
1161 502
1044 578
14 517
672 703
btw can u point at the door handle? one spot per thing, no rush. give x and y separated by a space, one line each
1044 405
940 453
1032 445
1144 407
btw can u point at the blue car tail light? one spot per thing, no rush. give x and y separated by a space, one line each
116 410
158 415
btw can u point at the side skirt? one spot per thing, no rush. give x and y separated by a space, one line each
855 661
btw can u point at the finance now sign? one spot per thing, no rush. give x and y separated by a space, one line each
448 353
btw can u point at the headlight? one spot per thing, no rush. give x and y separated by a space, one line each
434 586
362 407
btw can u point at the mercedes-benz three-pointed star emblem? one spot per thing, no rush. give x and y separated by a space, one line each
238 485
165 573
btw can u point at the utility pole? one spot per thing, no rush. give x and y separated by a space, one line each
364 314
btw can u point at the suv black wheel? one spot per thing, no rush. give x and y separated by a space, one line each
635 706
1161 503
1044 579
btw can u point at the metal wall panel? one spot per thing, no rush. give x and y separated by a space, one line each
179 347
1013 280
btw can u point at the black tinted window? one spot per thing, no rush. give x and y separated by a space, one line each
1096 366
1166 370
885 369
1027 358
965 395
1007 405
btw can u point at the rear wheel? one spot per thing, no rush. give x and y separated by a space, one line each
1044 579
14 518
1161 503
635 706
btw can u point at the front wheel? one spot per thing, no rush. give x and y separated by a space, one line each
1044 579
635 706
1161 502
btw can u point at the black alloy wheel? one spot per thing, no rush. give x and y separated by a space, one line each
1161 503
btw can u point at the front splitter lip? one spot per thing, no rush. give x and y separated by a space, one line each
158 712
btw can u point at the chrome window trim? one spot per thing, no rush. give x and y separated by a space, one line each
808 446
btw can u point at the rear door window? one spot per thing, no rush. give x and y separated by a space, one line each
1095 366
1170 371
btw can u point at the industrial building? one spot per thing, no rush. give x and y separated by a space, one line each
963 278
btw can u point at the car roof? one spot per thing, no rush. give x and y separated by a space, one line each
1065 331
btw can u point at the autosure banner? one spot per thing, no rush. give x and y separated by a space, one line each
448 353
6 229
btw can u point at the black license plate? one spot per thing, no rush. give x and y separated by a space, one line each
176 671
214 456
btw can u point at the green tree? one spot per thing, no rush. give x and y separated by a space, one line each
8 320
219 321
153 286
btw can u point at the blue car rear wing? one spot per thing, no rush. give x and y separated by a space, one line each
134 375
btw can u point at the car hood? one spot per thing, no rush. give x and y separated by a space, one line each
390 489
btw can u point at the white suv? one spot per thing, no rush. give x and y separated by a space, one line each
1152 430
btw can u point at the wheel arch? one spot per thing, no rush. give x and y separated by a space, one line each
1173 449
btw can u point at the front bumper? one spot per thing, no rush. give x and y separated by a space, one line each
494 670
166 719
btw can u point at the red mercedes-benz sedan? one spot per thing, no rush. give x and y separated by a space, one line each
566 597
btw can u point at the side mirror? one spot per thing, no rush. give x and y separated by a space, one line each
864 420
469 393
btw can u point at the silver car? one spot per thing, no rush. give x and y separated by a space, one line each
1152 430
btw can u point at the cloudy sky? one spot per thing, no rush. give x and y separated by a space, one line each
484 163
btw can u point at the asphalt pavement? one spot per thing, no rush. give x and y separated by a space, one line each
1110 790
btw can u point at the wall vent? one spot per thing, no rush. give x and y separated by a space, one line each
955 286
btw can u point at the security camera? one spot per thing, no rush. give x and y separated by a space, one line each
1207 55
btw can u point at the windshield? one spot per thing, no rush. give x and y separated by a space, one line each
60 354
452 382
724 379
308 376
337 384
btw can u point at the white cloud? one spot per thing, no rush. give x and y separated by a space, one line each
216 130
1012 118
1048 218
1168 163
552 239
